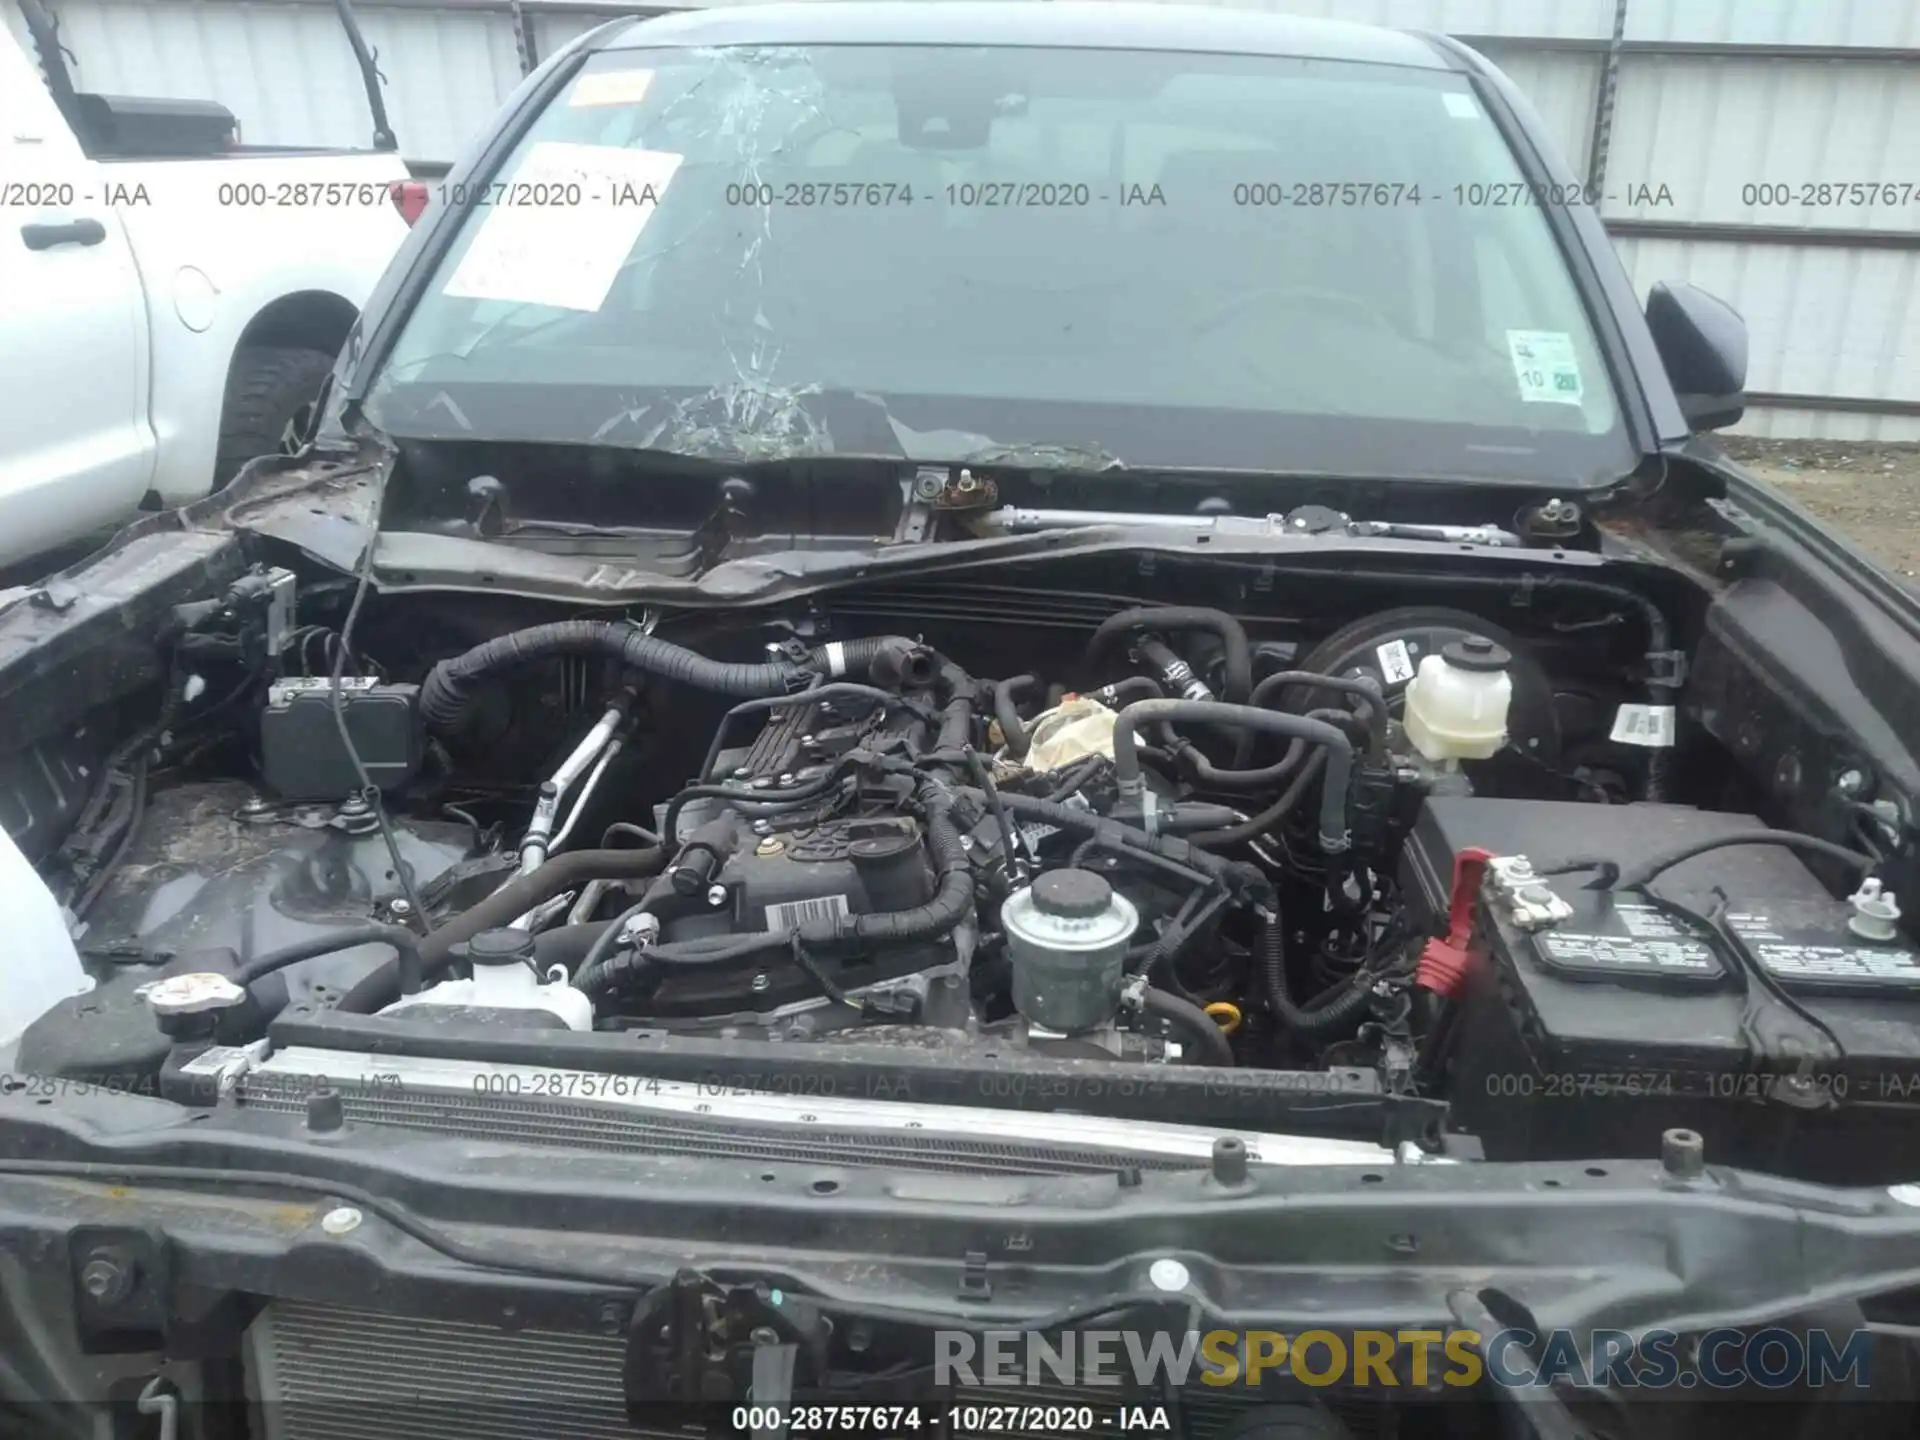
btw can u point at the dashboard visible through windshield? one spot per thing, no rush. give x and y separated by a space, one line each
1165 258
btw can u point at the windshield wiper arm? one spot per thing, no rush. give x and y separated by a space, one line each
1307 520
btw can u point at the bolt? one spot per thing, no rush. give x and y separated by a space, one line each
343 1220
1851 782
1683 1154
762 982
763 827
1230 1160
354 805
742 772
1169 1275
716 895
806 739
107 1279
256 805
399 909
786 777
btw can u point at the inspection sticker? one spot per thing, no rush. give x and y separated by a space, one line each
1545 366
564 225
609 87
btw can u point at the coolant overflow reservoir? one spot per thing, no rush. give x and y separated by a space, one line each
1457 701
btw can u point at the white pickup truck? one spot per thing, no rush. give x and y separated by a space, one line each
170 301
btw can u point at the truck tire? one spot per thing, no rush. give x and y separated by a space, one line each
267 389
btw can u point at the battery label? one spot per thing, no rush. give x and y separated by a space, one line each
1823 953
1651 945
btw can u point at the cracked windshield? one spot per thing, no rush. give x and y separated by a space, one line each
941 253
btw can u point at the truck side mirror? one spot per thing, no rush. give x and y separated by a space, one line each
1703 342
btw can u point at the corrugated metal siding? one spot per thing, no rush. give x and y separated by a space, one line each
1885 24
1707 127
1838 321
1824 321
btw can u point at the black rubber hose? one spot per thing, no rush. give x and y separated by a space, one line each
1254 826
1172 670
771 800
1126 691
956 717
1360 688
1006 710
1320 1019
983 777
566 945
1209 1041
1332 740
1237 686
1119 838
1202 771
446 696
402 941
561 873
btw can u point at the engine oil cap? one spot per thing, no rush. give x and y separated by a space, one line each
1072 894
1476 653
500 947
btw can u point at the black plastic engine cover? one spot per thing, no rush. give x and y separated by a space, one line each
862 866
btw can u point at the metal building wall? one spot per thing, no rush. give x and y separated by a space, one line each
1701 97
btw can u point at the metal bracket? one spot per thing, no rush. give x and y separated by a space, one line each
974 1282
693 1341
1667 668
1529 901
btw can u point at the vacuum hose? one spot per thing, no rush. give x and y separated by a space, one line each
1193 1023
1338 748
446 696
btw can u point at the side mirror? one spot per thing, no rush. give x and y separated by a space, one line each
1703 342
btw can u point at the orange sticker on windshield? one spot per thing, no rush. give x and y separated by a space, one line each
609 87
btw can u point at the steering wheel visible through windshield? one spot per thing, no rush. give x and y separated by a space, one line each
1178 259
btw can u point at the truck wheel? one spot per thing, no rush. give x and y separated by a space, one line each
270 392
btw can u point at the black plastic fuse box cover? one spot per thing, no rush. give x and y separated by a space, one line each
1590 1037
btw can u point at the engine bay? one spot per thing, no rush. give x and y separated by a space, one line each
1486 868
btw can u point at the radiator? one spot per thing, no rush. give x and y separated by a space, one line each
318 1372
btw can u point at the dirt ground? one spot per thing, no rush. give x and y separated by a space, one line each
1868 491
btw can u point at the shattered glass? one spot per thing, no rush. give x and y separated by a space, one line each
1017 257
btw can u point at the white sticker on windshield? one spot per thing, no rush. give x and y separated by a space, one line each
1545 366
1648 725
609 87
1460 105
1395 663
558 231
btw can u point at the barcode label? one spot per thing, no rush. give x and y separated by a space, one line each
1396 664
1650 725
796 912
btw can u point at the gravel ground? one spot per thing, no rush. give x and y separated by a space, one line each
1868 491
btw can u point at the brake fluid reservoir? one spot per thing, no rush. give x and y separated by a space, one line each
1457 701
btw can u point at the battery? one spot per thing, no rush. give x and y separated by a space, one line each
1591 1035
